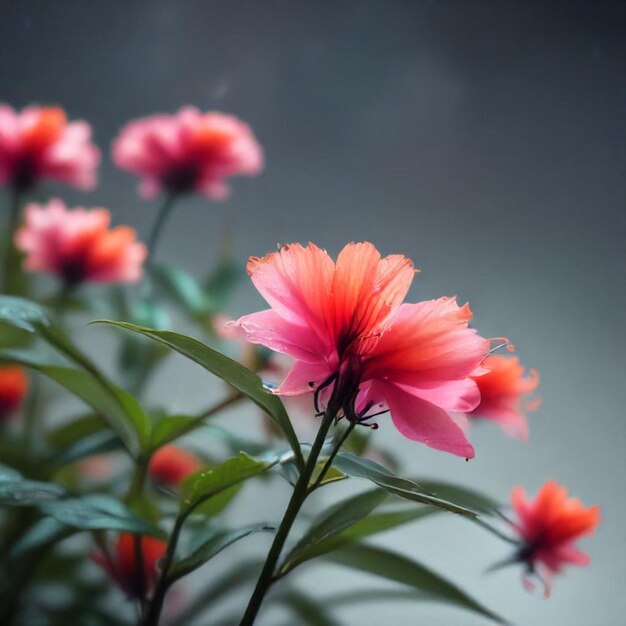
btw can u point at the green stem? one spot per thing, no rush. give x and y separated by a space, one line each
135 492
14 214
155 607
157 227
331 458
299 495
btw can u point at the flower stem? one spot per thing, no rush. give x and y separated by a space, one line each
155 606
157 227
331 458
299 495
14 214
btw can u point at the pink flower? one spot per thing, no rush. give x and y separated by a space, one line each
548 527
38 143
187 151
502 390
350 335
77 245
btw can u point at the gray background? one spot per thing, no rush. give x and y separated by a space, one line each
483 139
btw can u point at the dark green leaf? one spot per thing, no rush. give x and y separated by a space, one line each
364 468
228 370
99 512
211 542
76 429
461 495
44 532
208 483
15 490
119 411
339 517
98 443
398 568
370 525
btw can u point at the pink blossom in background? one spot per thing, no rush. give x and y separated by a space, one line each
122 565
77 245
346 327
170 465
502 391
548 526
39 143
188 151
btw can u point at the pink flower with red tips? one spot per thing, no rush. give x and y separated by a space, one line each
39 143
188 151
351 336
548 526
502 391
77 245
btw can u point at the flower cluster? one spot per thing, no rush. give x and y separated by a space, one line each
356 352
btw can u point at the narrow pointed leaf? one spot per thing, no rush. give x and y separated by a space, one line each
364 468
15 490
42 533
398 568
88 389
207 483
99 512
228 370
459 494
210 543
310 611
366 527
341 516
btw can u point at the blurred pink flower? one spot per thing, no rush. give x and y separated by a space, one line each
350 334
77 245
502 390
188 151
39 143
548 526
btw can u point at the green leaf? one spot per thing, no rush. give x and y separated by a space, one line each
332 474
228 370
183 289
98 443
22 313
210 543
310 611
73 431
364 468
459 494
208 483
99 512
28 316
350 527
398 568
221 283
341 516
44 532
370 525
15 490
114 406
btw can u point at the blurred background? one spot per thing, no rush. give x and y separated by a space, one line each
485 140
